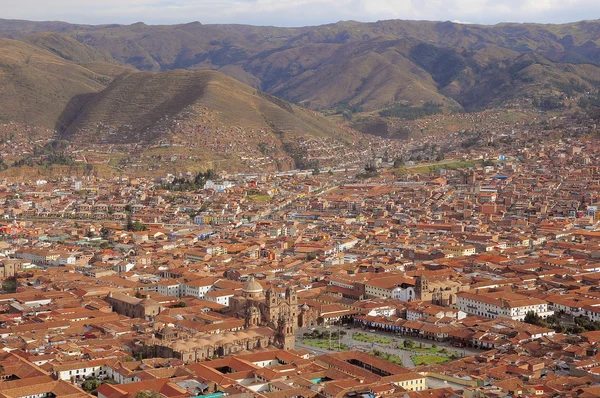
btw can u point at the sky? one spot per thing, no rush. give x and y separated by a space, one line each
298 12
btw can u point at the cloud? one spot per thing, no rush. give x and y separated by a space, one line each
299 12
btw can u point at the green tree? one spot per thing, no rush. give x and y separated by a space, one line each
148 394
90 385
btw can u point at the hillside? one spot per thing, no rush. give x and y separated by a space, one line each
68 48
347 65
399 69
205 116
141 100
37 86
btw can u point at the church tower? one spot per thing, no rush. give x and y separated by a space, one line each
272 305
252 316
422 287
286 334
291 296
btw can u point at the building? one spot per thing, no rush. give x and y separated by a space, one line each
501 304
133 307
441 292
260 308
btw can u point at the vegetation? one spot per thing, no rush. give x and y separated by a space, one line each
53 153
135 226
148 394
325 344
408 112
388 357
430 359
590 101
562 324
184 184
367 338
259 198
318 335
90 385
9 285
444 64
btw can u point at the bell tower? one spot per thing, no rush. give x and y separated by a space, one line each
291 296
252 316
272 305
286 334
422 287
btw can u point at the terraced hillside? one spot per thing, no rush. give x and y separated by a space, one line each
140 106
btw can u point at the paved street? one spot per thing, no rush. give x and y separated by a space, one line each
404 355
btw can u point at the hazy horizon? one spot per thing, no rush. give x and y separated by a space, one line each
298 13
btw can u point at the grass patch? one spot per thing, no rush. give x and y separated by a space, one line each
366 338
429 359
387 357
325 344
259 198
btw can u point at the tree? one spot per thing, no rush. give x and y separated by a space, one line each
316 171
532 318
104 245
148 394
90 385
181 304
408 344
135 226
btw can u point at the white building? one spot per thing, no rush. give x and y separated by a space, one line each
404 293
218 185
81 370
167 288
220 296
197 288
501 304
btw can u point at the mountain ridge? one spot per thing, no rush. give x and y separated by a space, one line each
365 65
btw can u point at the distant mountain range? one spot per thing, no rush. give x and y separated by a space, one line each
70 77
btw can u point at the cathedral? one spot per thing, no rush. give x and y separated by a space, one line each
260 308
270 320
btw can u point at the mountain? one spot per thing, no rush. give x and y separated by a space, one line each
68 48
204 118
138 108
362 66
77 78
37 86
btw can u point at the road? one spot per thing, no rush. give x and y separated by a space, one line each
405 355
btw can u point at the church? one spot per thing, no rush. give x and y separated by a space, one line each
260 308
270 320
